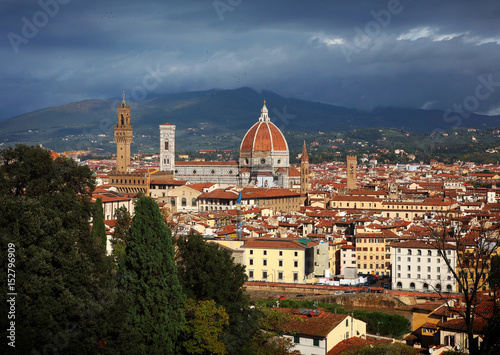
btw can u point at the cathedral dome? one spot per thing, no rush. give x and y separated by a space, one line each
263 136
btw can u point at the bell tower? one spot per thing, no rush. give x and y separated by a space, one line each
304 170
351 172
123 136
167 147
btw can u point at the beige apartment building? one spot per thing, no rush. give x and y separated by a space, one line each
373 254
278 260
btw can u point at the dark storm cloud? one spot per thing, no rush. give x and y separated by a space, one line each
354 53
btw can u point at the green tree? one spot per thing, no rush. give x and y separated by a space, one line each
268 339
208 272
151 282
98 226
121 232
205 323
60 270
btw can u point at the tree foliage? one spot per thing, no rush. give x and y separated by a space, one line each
98 226
121 232
208 272
268 339
151 282
60 270
205 323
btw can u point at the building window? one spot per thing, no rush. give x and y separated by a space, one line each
281 253
295 263
280 275
251 251
193 202
183 201
296 253
265 252
264 262
296 340
250 274
280 262
315 342
250 262
264 275
172 201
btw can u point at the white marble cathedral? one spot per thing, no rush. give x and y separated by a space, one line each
264 159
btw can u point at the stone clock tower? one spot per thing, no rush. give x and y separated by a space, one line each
123 137
167 147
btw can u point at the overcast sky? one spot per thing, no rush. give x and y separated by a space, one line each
362 54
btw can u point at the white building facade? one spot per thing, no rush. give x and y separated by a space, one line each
417 266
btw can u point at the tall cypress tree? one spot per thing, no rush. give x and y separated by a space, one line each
151 282
98 227
61 272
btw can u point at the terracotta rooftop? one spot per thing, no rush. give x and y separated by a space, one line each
264 137
273 243
319 324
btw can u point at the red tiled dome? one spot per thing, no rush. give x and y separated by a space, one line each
264 136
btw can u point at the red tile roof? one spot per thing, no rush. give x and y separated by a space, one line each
312 325
263 136
273 243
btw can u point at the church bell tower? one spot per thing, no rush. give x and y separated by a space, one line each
123 137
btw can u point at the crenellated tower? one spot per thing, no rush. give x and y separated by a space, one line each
123 136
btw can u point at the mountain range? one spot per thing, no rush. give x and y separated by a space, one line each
217 118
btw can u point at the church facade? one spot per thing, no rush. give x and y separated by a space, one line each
263 161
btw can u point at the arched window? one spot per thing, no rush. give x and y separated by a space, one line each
183 202
193 202
419 252
426 287
399 285
438 287
448 288
172 201
412 286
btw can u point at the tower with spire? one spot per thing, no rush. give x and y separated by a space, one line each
304 170
123 136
